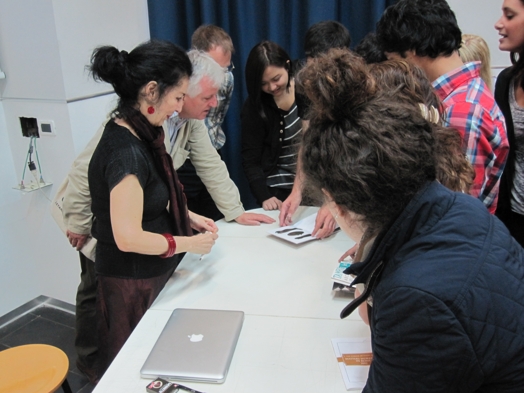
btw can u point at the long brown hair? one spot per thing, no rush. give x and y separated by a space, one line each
371 154
400 80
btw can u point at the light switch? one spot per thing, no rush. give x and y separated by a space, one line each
47 127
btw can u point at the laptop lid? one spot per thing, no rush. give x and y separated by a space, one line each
195 345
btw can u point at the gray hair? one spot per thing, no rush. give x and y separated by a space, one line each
203 66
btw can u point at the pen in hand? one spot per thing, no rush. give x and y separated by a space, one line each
202 255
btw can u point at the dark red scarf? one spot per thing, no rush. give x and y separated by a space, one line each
154 137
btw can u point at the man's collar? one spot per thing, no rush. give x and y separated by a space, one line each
449 82
175 123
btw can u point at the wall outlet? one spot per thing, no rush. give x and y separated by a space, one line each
47 127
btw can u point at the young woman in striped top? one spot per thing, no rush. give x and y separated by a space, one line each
271 125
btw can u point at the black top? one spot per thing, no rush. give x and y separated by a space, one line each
502 90
262 141
118 154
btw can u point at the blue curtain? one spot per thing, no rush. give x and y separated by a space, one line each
249 22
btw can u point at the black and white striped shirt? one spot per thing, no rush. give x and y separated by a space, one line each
284 175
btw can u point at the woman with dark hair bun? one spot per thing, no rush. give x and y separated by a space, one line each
141 219
271 125
442 276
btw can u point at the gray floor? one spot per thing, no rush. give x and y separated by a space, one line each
47 324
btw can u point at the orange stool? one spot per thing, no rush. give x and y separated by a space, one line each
34 368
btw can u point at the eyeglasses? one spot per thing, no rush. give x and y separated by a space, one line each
229 68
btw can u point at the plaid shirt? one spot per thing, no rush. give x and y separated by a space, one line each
216 115
469 107
174 124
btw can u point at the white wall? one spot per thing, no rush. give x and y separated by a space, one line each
44 47
83 25
87 116
29 52
7 172
479 17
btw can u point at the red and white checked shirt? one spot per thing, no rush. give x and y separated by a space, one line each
469 107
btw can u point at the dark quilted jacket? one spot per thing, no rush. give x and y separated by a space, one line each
447 282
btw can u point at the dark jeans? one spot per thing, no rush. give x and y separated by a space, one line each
198 199
86 337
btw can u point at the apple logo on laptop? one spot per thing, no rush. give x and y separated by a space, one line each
196 338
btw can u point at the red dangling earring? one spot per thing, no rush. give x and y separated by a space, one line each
150 110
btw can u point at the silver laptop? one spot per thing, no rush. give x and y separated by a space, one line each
195 345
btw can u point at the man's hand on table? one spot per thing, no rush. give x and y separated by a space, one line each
254 219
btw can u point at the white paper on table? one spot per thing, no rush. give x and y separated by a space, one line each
299 232
353 357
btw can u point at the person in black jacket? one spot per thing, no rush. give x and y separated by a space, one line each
271 125
443 276
509 94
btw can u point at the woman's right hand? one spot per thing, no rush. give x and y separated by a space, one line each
202 243
272 203
349 253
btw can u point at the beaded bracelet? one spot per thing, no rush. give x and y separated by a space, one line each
172 246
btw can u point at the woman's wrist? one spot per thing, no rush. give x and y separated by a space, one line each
183 244
193 220
171 249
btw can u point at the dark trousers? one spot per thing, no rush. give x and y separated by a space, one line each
198 199
86 337
121 303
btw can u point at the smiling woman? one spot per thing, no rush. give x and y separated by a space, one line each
271 125
509 94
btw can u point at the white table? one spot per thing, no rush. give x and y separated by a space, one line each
291 313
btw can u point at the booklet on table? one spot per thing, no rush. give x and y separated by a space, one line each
339 276
342 281
354 357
